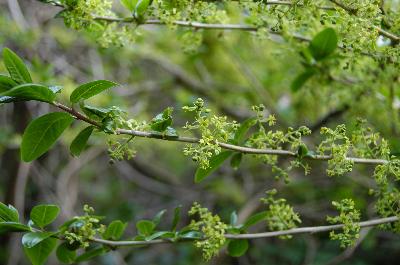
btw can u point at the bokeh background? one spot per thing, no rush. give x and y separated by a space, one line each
231 71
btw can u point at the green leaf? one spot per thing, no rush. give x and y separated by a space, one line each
323 44
162 121
129 4
145 227
42 133
215 162
80 141
236 160
254 219
302 78
40 252
302 151
64 254
90 89
16 67
141 7
177 217
90 254
8 213
95 111
163 234
157 218
43 215
191 235
243 129
115 230
31 92
6 83
31 239
6 227
238 247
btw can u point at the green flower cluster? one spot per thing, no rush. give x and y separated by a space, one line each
349 216
280 216
338 145
213 129
81 229
213 229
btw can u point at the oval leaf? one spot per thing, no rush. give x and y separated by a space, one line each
6 227
6 83
16 67
42 133
31 92
215 162
323 44
238 247
43 215
145 227
64 254
90 89
301 79
115 230
79 143
40 252
31 239
8 213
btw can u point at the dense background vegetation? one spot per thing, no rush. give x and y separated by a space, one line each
159 67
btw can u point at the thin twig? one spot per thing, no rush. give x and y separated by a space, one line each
301 230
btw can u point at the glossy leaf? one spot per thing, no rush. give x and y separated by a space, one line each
43 215
42 133
64 254
31 92
90 89
90 254
243 129
6 227
6 83
40 252
115 230
254 219
31 239
8 213
238 247
162 121
323 44
80 141
215 162
16 67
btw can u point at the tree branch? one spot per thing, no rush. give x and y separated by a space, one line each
227 146
301 230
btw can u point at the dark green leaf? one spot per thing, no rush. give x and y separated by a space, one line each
238 247
6 83
95 111
323 44
6 227
191 235
16 67
215 162
162 121
141 7
80 141
90 254
236 160
90 89
145 227
177 217
31 92
163 234
43 215
64 254
254 219
8 213
302 78
302 151
115 230
39 253
31 239
243 129
42 133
